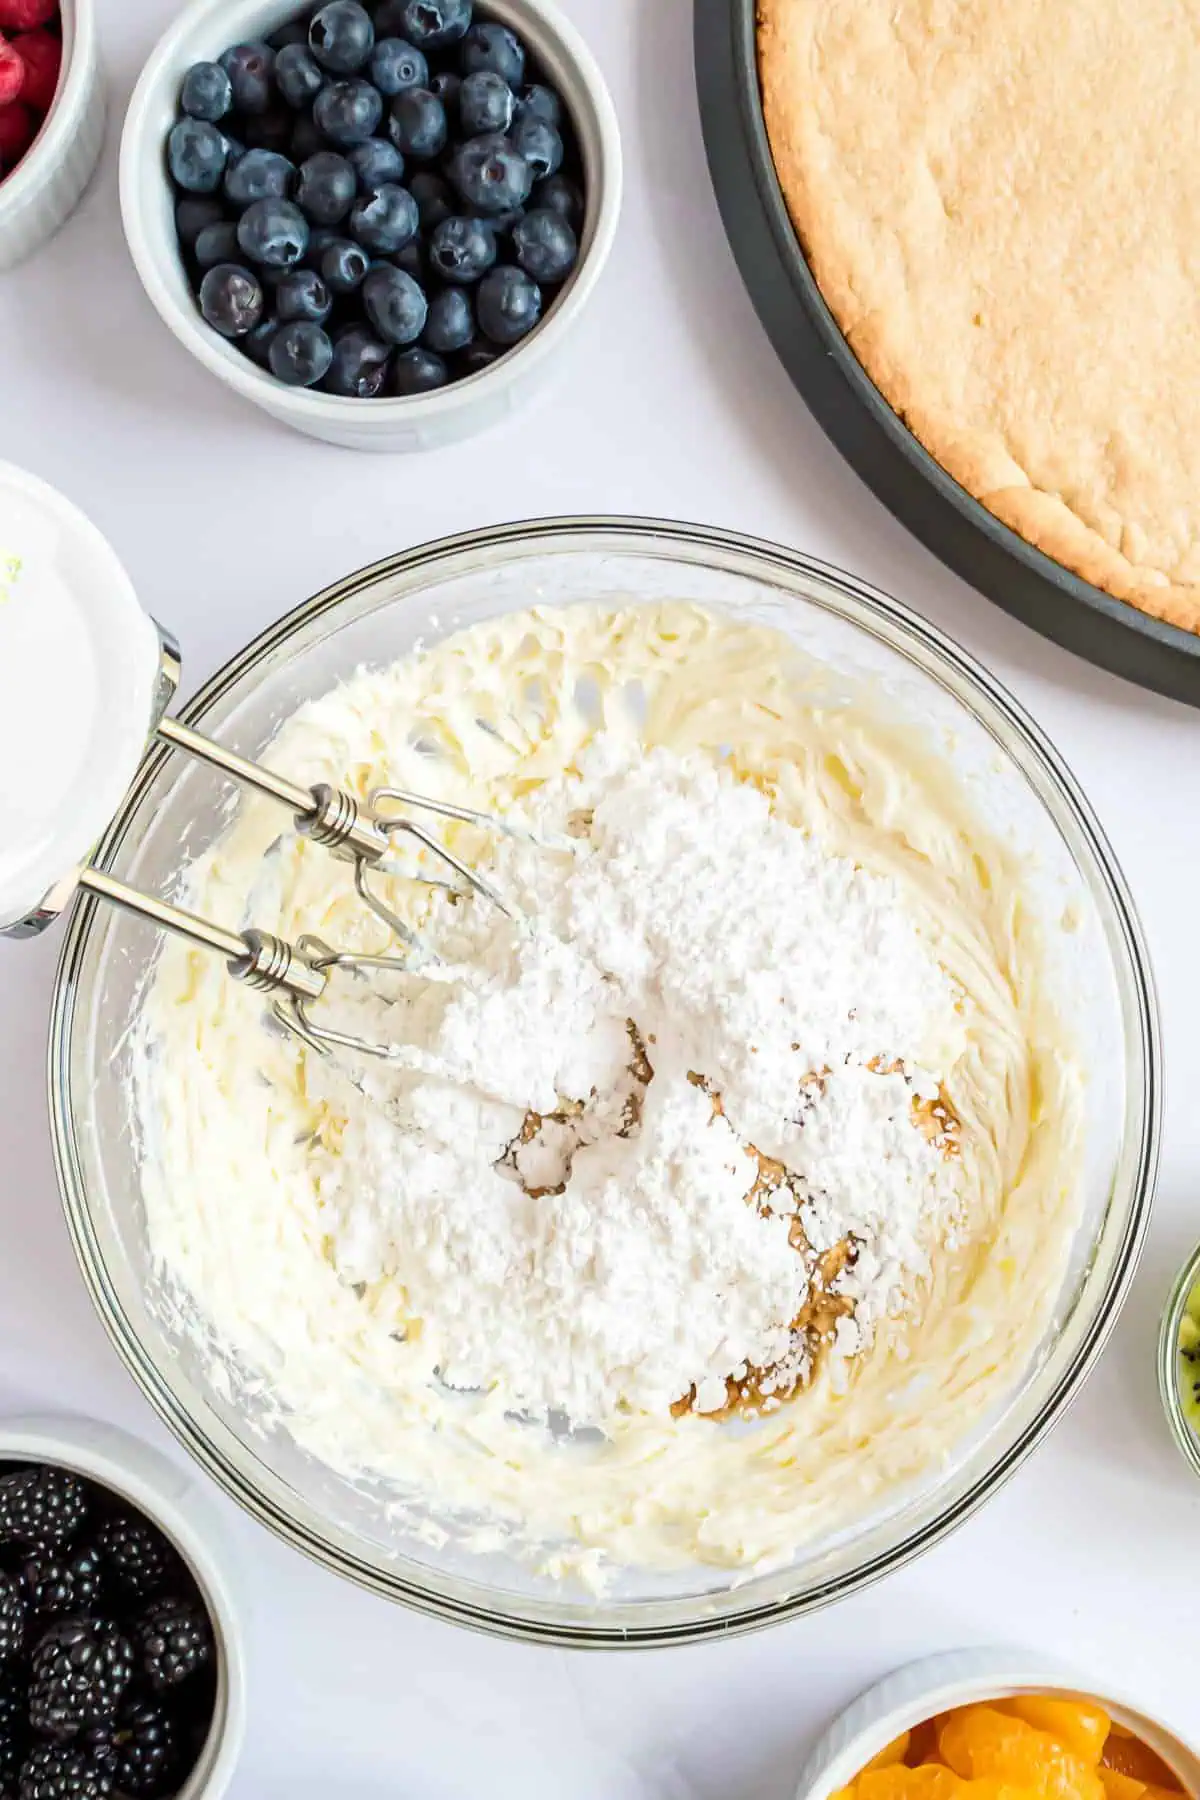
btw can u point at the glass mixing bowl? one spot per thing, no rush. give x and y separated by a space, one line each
859 638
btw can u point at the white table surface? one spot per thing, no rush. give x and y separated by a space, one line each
670 402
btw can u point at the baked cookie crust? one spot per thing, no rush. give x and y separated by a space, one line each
1001 206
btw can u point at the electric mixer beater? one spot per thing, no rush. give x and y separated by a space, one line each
69 613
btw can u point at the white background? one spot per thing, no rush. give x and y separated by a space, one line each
669 401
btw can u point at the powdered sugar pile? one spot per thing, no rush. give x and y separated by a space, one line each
620 1132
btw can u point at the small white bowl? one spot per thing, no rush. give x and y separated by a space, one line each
422 421
921 1690
46 185
176 1501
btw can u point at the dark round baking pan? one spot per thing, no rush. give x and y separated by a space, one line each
854 414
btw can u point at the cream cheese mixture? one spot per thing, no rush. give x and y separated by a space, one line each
707 1195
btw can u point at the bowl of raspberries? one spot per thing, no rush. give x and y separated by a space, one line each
376 219
52 108
120 1671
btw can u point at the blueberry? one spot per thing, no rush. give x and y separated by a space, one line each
501 223
451 322
375 162
389 21
294 32
539 144
217 244
490 175
495 47
430 24
348 112
326 188
434 199
395 305
319 241
196 153
231 299
447 86
396 64
561 195
307 137
298 75
300 354
485 103
418 124
385 219
344 266
477 356
341 36
536 101
250 68
207 92
257 341
461 250
414 260
273 233
418 371
509 304
545 245
259 175
302 295
193 214
360 364
271 130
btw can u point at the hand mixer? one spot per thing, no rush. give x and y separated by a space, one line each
69 618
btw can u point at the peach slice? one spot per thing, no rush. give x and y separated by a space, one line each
895 1752
1078 1725
982 1742
1129 1756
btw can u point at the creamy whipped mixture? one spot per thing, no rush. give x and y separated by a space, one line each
705 1196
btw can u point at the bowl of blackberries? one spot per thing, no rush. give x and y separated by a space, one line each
120 1677
377 219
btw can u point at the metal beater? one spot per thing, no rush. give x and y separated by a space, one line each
39 605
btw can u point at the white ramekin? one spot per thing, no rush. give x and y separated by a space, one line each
176 1501
206 28
46 185
921 1690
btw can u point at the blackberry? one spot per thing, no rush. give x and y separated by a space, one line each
12 1618
13 1732
67 1581
174 1641
63 1772
80 1670
141 1747
41 1507
137 1558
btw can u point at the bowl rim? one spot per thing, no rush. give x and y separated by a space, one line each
920 1690
692 1619
141 1475
254 384
79 55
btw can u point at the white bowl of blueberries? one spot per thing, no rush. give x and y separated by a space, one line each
375 219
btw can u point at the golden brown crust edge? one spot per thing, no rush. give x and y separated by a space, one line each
1041 518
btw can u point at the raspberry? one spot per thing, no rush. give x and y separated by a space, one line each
12 73
18 126
41 52
26 15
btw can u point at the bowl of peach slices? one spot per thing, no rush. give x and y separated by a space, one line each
981 1725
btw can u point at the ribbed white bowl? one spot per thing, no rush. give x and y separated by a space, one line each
921 1690
46 185
177 1501
421 421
